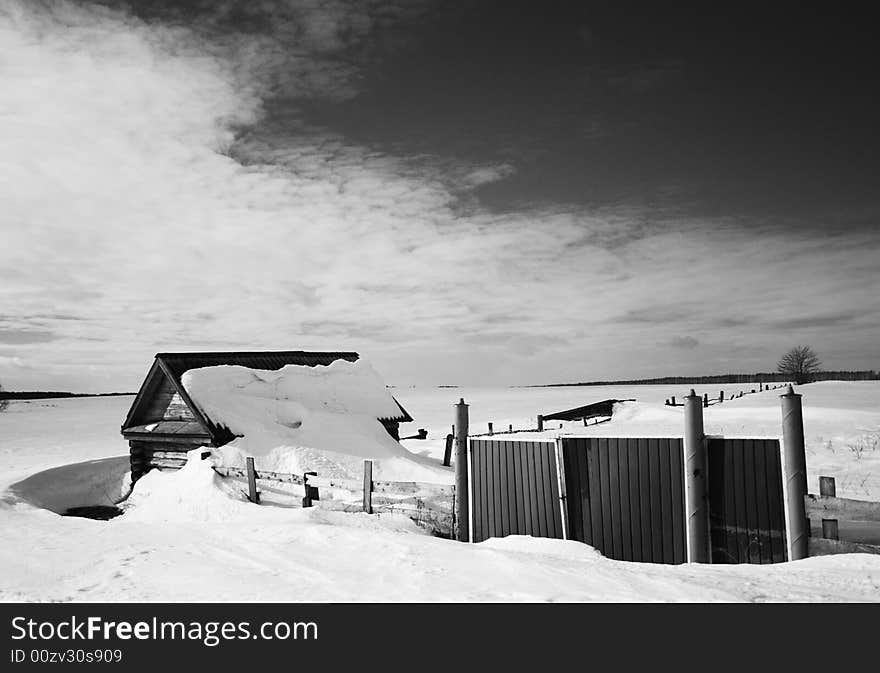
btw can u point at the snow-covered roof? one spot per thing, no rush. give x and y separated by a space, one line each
340 387
169 369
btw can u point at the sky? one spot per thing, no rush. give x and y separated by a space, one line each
474 193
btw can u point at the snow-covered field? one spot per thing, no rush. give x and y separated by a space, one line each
188 536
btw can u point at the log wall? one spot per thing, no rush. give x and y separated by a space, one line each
147 455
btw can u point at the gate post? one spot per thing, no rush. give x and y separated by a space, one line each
696 486
795 471
462 515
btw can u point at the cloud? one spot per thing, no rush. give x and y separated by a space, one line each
12 336
682 342
157 196
826 320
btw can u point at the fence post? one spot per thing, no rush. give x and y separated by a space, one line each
540 423
447 454
795 470
695 467
368 486
827 486
253 495
721 396
491 432
705 400
462 515
311 491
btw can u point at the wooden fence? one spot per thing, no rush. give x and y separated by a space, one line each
709 401
429 505
830 509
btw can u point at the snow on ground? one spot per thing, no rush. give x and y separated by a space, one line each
841 421
302 418
189 536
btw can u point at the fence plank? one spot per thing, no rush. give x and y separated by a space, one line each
520 487
742 534
762 501
503 492
241 473
666 501
827 507
632 477
606 496
552 478
676 474
253 496
614 485
821 547
776 510
368 486
540 490
645 499
656 498
753 550
420 487
585 498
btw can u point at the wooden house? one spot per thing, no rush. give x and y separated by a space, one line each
164 422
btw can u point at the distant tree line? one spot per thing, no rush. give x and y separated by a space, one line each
49 394
763 377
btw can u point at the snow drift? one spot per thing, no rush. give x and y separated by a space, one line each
300 418
195 492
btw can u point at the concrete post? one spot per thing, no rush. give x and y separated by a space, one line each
462 515
794 469
696 484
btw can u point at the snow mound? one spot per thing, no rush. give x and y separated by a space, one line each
299 418
193 493
94 482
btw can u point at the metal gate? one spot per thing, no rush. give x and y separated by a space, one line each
515 489
746 510
625 496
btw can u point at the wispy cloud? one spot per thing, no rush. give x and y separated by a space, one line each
158 196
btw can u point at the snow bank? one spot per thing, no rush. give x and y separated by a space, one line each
193 493
302 418
93 482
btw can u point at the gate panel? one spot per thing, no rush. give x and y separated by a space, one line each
625 496
746 510
515 490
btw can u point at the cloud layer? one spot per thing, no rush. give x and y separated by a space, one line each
158 196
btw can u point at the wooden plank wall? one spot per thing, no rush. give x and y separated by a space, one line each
515 489
625 496
166 404
746 510
146 455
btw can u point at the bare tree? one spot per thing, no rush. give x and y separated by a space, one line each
800 363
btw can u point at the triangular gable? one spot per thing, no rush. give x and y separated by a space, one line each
159 376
